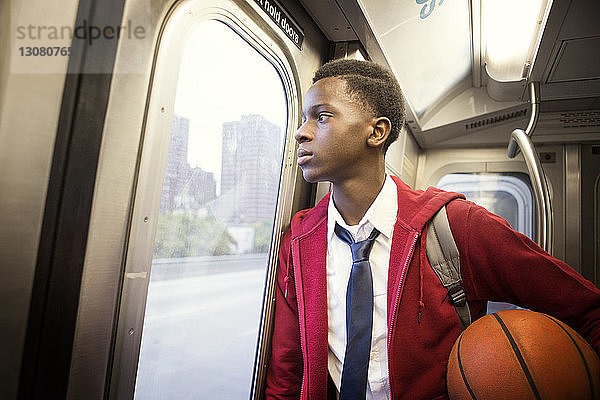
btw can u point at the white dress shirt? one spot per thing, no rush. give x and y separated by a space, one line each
382 216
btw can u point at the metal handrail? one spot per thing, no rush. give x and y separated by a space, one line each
534 90
520 139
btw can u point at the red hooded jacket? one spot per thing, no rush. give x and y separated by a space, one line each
497 263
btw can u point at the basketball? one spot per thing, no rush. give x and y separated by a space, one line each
520 354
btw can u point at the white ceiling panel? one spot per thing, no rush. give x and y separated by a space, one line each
427 44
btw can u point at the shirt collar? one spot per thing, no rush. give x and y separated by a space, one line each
382 212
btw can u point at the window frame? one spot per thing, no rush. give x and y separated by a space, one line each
480 161
516 190
180 20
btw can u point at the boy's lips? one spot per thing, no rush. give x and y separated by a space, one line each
303 156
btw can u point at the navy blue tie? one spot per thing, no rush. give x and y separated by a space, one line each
359 317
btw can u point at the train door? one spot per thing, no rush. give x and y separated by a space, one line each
590 202
195 178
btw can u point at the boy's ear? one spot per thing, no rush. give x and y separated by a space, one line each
381 130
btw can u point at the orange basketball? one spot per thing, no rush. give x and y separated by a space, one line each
519 354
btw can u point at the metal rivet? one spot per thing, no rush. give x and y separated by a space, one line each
131 331
162 109
146 219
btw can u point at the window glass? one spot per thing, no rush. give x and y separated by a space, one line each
507 195
215 221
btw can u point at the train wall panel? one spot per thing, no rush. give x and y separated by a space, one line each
29 114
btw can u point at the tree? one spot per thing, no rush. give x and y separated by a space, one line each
262 236
184 234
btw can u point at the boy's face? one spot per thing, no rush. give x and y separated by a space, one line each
334 132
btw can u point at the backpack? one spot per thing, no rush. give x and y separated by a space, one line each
444 258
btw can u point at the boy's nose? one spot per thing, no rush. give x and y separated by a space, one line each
302 134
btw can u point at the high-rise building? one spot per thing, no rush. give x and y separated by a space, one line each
249 172
184 187
199 187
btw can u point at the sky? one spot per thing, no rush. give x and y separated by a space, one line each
222 78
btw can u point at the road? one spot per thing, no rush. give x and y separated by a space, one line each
200 332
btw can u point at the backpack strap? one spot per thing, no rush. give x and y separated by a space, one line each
444 258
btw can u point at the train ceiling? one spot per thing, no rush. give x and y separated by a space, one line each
465 63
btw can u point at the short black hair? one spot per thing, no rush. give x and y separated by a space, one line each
374 85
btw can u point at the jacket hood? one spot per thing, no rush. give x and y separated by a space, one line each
415 208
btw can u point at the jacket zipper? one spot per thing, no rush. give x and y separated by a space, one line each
389 339
300 327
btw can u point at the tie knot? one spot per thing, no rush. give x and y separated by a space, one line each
360 250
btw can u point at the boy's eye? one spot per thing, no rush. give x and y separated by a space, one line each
322 117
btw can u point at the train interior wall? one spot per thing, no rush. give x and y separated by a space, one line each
29 112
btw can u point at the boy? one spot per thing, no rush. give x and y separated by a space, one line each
363 246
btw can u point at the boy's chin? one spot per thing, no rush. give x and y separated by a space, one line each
310 176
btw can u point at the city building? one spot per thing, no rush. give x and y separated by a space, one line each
249 172
184 187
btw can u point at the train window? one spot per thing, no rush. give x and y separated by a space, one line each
216 216
507 195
